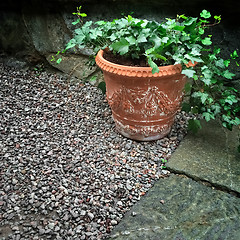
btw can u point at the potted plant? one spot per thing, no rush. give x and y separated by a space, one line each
148 65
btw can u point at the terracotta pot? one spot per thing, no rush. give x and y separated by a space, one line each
190 64
143 104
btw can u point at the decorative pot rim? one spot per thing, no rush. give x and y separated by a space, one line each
130 71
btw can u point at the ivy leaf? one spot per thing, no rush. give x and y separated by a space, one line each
227 62
82 14
186 107
159 56
193 59
165 39
231 99
227 125
87 25
217 50
113 37
227 122
207 75
157 41
153 65
226 118
203 96
141 38
210 100
182 16
207 41
144 23
129 18
206 72
194 125
205 14
195 110
102 86
131 40
195 77
234 55
188 72
149 51
220 63
236 121
95 33
59 60
212 57
185 37
93 78
179 28
228 74
196 51
100 23
187 87
71 44
207 81
201 31
190 21
216 108
208 116
80 38
121 23
121 46
218 18
76 22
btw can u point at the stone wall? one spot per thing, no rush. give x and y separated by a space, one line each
36 29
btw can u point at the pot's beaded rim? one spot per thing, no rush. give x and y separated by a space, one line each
135 71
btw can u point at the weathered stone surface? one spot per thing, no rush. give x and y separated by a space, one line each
210 155
180 208
10 28
75 65
47 31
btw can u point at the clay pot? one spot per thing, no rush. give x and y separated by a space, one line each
190 64
143 104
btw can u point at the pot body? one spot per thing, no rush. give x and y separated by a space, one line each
143 104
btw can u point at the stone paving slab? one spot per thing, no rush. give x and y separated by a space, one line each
181 208
211 156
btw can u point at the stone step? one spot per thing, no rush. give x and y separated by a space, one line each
210 155
181 208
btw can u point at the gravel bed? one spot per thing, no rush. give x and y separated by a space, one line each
65 173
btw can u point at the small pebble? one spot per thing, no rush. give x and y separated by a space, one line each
162 201
134 214
114 222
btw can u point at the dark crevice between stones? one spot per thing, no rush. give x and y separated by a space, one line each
216 186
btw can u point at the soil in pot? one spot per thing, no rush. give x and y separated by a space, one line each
128 61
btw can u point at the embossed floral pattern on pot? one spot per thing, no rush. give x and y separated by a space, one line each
143 104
